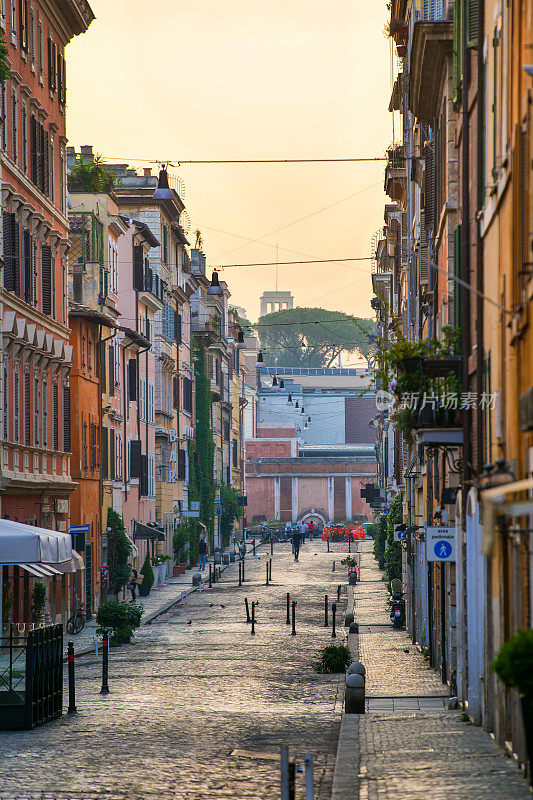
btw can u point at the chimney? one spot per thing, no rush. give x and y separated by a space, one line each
86 150
148 172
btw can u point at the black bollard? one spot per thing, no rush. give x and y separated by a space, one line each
240 574
71 680
292 780
326 623
253 618
288 609
333 612
270 570
328 543
247 610
293 632
105 663
339 593
266 582
210 576
349 543
253 547
271 546
333 567
242 562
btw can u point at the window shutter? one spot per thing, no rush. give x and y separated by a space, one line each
27 247
46 279
103 372
143 478
177 328
135 458
8 224
111 366
33 148
55 417
46 163
138 272
457 63
132 379
111 455
181 464
424 255
176 391
472 22
27 408
105 453
429 186
66 419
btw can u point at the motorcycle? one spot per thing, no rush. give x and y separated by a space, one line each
397 612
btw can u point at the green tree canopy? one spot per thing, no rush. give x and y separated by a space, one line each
311 337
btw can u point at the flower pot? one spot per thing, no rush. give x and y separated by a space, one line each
155 570
144 591
527 716
178 569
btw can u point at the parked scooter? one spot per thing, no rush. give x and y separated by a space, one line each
397 605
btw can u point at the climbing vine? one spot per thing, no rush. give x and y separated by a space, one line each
393 553
201 464
4 59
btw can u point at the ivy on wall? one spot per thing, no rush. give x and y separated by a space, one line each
202 456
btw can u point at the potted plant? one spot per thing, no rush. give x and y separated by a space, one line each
163 568
179 544
119 619
148 577
155 568
38 602
513 665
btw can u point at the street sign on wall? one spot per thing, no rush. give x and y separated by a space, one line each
440 544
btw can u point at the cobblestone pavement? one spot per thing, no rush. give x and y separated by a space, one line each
198 707
407 750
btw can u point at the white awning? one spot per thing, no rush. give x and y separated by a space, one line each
40 570
27 544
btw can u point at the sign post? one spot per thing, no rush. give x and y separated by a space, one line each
440 544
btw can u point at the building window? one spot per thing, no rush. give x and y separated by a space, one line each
36 410
14 126
6 401
62 179
24 24
52 65
40 154
55 416
32 38
24 143
150 401
84 444
14 22
94 445
52 171
165 245
40 50
44 396
16 404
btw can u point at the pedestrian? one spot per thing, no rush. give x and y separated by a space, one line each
311 529
302 528
203 551
296 540
132 583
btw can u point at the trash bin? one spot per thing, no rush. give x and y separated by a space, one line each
217 555
225 558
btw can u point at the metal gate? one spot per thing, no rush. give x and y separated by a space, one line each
31 677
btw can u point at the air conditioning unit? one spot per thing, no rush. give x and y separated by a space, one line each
61 525
61 506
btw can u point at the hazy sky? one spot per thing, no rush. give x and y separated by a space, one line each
173 79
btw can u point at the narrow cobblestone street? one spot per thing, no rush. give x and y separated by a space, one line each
408 746
198 707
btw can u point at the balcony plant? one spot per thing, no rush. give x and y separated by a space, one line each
38 601
179 546
513 666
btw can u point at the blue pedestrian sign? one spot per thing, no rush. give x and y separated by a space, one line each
440 544
442 549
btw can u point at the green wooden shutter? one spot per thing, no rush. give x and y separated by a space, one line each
105 453
472 22
103 373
